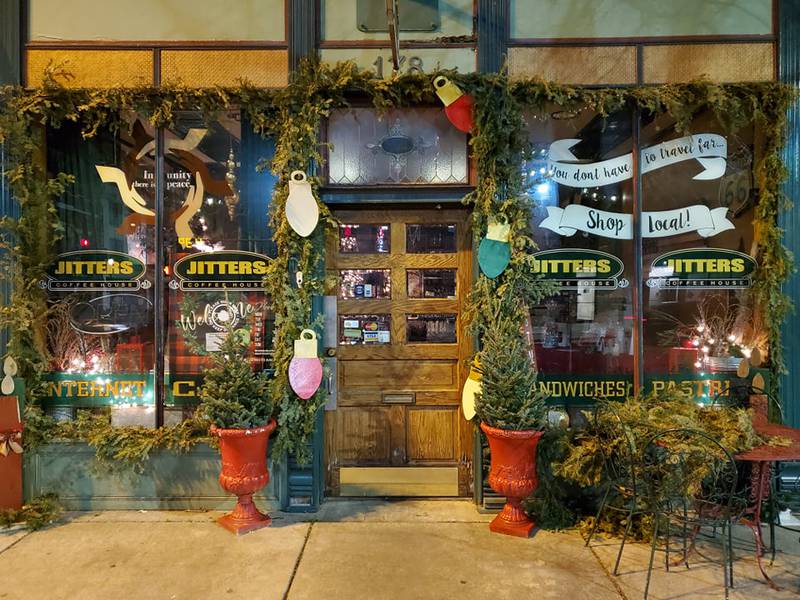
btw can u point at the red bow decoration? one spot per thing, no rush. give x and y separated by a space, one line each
11 441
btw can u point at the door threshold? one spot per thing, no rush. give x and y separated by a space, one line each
410 482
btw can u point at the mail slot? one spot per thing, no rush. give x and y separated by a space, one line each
404 398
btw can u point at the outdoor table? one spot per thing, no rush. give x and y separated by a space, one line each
762 459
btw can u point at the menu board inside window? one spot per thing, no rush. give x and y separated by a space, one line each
580 179
100 331
413 146
218 248
699 199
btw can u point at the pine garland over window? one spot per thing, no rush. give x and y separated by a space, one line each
293 116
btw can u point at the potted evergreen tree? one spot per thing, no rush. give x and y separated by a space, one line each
237 403
512 412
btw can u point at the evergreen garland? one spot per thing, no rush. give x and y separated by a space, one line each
293 115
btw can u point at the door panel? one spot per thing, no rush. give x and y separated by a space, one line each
432 434
399 374
401 353
361 434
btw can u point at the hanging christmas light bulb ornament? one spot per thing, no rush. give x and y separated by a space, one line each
494 252
305 368
472 386
302 211
458 106
9 372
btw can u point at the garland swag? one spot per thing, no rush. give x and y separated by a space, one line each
293 116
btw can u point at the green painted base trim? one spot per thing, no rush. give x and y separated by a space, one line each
170 481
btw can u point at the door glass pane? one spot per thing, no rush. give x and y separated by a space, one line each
364 329
217 246
365 283
431 283
436 238
699 199
398 147
431 328
101 328
580 178
364 238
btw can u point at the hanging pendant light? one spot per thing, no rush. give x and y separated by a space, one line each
232 201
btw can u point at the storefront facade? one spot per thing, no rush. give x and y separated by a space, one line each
646 231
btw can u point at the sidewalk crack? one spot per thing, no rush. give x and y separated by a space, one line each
297 562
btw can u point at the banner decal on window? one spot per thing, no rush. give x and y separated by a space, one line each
708 149
567 221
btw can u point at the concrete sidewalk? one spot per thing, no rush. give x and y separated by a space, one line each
369 549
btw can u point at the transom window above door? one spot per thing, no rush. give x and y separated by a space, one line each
416 146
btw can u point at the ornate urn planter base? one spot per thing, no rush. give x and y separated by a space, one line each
244 472
512 474
245 517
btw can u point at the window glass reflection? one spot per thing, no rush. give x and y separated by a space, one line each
365 283
431 328
434 238
364 238
431 283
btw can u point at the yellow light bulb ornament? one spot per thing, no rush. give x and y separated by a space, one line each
471 387
302 211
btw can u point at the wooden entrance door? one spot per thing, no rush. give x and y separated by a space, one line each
397 428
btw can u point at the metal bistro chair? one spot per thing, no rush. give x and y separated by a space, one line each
619 471
738 396
692 482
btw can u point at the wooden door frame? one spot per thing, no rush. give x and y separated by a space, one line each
366 213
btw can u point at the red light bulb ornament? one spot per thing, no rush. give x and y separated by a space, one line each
305 368
458 106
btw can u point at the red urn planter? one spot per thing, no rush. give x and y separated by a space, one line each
244 472
513 475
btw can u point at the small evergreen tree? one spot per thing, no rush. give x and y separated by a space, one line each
509 397
233 397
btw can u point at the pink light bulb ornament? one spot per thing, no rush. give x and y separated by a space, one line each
305 368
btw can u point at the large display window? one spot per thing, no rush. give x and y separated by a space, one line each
116 270
581 224
101 332
667 306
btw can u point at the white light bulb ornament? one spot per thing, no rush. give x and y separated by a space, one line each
305 368
9 371
302 211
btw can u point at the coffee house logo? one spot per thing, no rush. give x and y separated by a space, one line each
225 269
95 270
574 268
702 268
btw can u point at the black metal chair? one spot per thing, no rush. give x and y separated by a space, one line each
738 396
620 479
692 482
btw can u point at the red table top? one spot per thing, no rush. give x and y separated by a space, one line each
768 452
